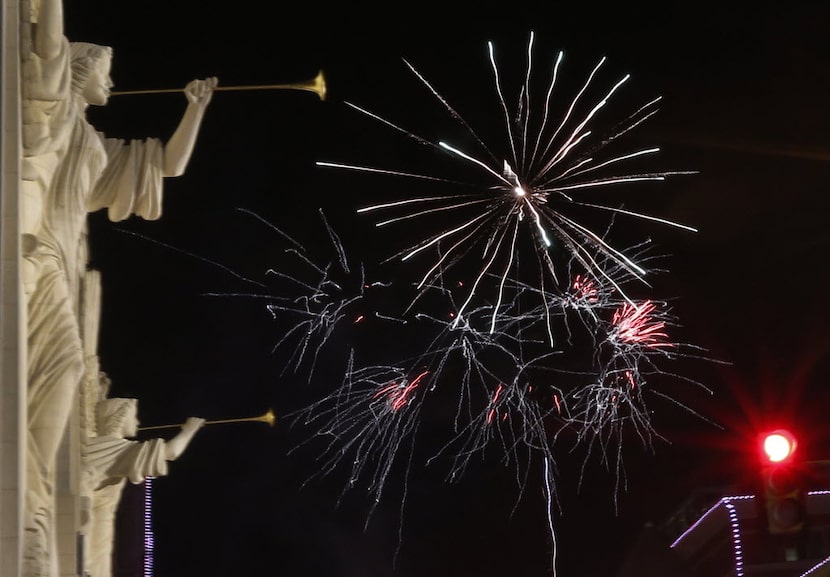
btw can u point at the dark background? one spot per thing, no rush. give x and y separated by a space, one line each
744 103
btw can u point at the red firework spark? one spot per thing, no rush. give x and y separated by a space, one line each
400 394
636 324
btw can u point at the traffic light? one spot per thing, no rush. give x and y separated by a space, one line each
782 484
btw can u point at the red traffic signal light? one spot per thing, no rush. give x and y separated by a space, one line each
782 484
779 446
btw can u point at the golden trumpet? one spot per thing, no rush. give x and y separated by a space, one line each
316 85
267 417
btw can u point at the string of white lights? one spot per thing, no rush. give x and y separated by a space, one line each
149 543
736 531
736 537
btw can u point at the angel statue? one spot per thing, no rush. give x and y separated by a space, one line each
69 170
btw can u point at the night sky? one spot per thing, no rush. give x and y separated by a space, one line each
744 104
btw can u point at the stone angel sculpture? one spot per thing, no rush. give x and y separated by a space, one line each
69 169
109 460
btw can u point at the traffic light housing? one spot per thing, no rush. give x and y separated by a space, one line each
782 478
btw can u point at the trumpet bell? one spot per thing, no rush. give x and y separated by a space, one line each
269 418
318 85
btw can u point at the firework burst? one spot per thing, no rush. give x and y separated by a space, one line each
514 359
512 393
527 189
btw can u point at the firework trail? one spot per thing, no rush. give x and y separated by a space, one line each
318 298
526 191
370 418
370 425
512 393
